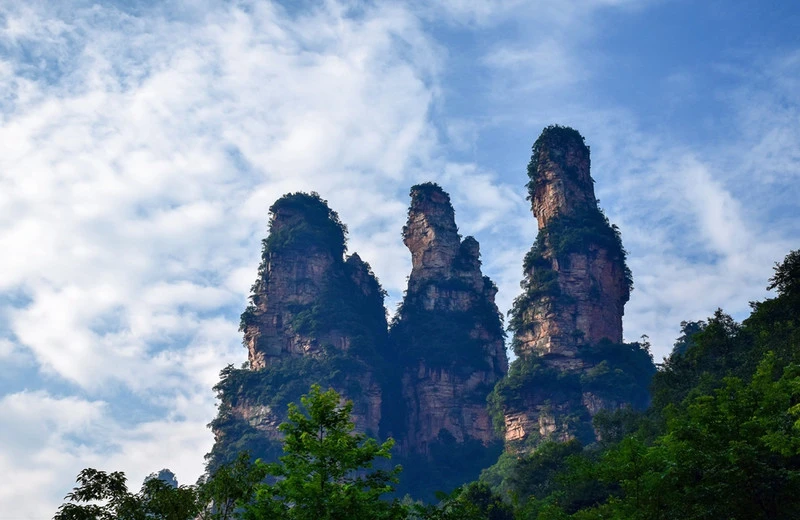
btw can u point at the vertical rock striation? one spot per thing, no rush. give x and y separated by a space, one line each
304 247
315 317
576 281
567 323
448 332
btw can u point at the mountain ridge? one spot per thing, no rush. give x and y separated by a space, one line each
317 316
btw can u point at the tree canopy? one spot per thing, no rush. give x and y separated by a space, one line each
326 473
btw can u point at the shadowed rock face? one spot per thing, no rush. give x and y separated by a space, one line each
575 288
448 331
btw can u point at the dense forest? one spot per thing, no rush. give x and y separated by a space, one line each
720 439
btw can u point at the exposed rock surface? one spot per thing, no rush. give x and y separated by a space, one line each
315 318
592 291
576 271
448 331
568 322
560 181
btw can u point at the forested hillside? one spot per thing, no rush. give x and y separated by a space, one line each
721 440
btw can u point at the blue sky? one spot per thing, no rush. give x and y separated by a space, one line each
141 144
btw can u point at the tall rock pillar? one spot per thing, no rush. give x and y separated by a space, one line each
315 317
576 281
567 323
448 332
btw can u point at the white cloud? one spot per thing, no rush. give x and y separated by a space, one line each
48 439
36 425
141 150
140 154
136 173
51 415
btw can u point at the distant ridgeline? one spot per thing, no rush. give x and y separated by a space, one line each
318 316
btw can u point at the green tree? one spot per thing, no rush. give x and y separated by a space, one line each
327 471
733 453
787 275
475 501
223 494
325 474
105 496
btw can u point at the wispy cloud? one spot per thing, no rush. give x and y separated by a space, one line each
141 151
141 146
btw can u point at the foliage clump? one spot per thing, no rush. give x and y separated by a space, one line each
555 139
425 190
306 222
786 279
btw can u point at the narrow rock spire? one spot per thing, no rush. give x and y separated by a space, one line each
448 331
576 280
567 323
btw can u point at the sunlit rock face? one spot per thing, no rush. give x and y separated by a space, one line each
569 317
302 264
578 254
316 316
448 332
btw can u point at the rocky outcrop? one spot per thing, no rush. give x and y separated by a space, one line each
293 275
560 183
576 280
314 317
567 323
448 332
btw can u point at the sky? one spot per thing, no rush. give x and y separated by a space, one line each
142 143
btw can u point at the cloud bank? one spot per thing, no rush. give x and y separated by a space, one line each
141 145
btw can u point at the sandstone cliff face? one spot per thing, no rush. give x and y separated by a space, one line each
569 318
588 306
448 332
315 318
560 181
575 273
